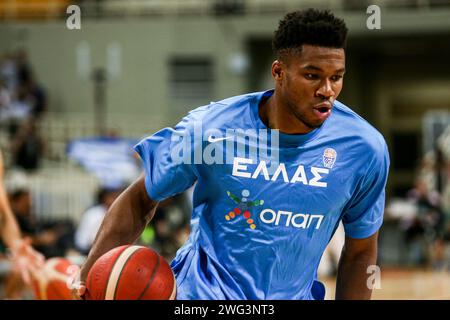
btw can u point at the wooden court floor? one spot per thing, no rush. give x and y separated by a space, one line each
405 284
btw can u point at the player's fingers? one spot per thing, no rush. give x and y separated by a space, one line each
78 292
37 258
81 290
34 268
75 295
26 276
24 249
77 287
22 267
27 241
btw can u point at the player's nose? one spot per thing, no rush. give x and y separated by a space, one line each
325 91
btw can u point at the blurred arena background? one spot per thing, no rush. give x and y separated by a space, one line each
137 66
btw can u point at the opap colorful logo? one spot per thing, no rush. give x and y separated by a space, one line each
243 207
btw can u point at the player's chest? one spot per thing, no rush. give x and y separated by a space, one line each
295 185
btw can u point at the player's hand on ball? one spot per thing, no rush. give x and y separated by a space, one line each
78 293
77 286
25 259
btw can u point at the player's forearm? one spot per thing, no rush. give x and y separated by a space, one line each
10 232
123 223
351 282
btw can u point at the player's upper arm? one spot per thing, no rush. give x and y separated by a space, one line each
167 160
356 247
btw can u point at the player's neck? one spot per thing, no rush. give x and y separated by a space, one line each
277 115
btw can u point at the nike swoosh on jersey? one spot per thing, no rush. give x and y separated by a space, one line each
212 140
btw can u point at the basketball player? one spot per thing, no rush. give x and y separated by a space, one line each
25 259
260 224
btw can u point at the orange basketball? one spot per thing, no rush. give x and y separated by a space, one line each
130 273
50 283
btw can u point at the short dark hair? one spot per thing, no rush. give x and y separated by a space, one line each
310 26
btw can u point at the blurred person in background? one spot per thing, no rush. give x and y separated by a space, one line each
421 230
52 239
39 97
427 232
440 231
27 146
92 219
5 98
23 67
26 98
18 110
8 70
25 259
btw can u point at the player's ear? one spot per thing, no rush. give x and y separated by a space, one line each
277 70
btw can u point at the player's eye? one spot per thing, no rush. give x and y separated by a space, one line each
311 76
336 78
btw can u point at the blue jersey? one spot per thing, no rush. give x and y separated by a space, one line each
261 220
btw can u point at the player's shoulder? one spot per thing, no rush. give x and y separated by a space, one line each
223 110
356 126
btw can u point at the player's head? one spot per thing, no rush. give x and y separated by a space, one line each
21 202
310 51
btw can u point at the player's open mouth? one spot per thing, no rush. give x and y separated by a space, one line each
322 110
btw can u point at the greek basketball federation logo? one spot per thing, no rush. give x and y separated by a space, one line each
329 157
